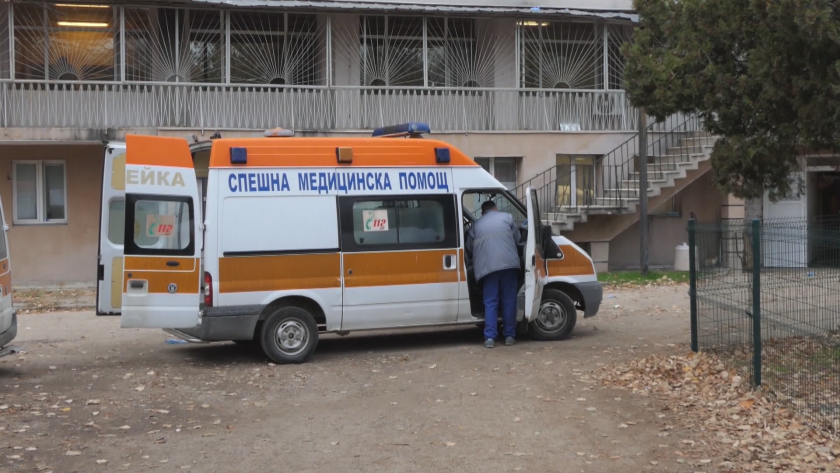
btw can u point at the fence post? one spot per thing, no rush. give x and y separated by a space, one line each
756 297
692 282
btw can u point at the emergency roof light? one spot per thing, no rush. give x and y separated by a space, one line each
412 129
344 155
442 155
238 155
278 133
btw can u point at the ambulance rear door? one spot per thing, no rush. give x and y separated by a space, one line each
162 235
535 265
111 226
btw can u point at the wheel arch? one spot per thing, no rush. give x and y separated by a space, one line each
305 303
570 290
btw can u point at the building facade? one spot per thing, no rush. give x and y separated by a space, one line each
512 84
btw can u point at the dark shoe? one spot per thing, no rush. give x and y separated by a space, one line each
489 343
510 341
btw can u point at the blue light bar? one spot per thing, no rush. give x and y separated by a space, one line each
239 156
413 128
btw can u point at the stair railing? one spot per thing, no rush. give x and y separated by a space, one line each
612 179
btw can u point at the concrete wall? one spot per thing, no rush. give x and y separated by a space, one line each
59 252
665 233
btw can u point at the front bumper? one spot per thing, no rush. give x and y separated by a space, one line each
7 337
592 294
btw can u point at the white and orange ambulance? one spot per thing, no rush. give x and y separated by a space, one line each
276 240
8 319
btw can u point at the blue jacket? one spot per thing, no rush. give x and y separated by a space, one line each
493 240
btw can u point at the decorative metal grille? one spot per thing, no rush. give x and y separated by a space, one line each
561 55
391 50
173 45
465 52
617 35
277 48
65 42
5 60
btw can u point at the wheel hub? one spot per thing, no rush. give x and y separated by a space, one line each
292 336
552 316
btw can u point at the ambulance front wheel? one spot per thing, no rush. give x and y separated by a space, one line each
556 318
289 335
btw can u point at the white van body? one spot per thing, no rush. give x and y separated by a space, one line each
8 318
263 245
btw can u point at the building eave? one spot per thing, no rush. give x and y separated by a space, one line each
361 5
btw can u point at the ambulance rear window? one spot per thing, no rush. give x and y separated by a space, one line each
159 226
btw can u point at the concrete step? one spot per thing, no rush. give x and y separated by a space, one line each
655 175
634 184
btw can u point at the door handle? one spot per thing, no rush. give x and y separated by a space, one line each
448 262
173 263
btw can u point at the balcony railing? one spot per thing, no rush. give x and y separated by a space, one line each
115 105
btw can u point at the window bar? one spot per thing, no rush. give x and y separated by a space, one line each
517 59
11 42
329 51
122 43
425 55
227 46
387 56
178 18
606 57
45 20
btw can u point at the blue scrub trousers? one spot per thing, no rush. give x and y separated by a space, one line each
500 289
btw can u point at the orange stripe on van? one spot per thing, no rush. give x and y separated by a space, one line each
574 263
320 152
277 273
155 270
397 268
5 276
157 151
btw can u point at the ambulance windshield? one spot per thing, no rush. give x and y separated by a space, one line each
503 200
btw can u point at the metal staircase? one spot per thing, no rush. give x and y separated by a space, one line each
568 196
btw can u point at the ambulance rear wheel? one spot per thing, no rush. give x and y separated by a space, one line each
289 335
556 318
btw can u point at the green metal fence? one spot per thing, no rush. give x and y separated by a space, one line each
767 296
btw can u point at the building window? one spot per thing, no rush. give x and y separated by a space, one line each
65 42
391 50
503 169
561 55
39 191
276 48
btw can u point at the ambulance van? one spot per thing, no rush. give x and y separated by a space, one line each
277 240
8 319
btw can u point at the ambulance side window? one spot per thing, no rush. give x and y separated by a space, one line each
159 225
399 222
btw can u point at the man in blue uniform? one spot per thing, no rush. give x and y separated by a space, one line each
493 240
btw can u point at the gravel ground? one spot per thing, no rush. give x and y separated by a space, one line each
88 396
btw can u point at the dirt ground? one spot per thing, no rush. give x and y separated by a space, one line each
89 396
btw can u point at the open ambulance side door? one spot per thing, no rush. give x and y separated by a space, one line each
535 266
162 241
111 225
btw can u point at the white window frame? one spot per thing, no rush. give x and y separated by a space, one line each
41 217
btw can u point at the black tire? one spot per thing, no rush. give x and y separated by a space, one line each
295 325
558 320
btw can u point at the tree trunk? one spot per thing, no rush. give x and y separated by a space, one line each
753 209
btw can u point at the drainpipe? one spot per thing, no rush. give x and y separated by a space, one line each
643 194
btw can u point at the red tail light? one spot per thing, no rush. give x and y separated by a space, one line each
208 290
